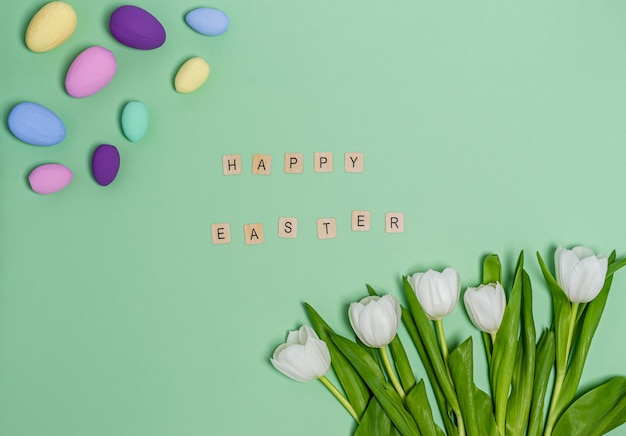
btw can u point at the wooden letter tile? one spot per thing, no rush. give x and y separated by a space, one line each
353 163
231 164
262 164
323 162
326 228
361 220
253 234
220 233
294 163
394 222
287 227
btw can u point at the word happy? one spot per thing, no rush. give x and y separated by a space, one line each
293 163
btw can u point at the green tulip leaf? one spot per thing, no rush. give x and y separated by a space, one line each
615 265
384 392
375 422
400 359
484 413
417 402
401 362
426 332
492 270
446 414
504 348
545 356
588 323
355 388
462 371
476 406
595 413
562 310
518 407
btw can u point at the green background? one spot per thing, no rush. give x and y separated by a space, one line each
495 126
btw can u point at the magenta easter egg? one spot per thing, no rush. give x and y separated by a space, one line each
136 28
91 71
49 178
105 164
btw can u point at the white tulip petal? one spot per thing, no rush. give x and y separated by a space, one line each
304 357
485 306
375 320
580 273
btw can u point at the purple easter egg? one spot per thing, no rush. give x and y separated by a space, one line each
136 28
105 164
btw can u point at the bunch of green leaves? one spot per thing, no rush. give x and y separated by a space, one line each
519 369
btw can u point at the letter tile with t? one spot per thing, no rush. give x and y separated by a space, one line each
326 228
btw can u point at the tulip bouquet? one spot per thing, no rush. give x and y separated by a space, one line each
379 387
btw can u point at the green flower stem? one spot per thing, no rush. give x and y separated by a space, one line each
561 372
390 371
333 390
493 338
444 352
442 341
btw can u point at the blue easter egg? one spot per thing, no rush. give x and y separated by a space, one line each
36 124
207 21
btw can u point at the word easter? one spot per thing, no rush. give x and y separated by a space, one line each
288 227
293 163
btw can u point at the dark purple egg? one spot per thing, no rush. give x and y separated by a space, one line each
105 164
136 28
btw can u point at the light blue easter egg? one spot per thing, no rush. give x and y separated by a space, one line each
207 21
36 124
135 120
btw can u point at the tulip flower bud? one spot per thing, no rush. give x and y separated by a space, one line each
304 357
485 306
580 273
375 319
437 292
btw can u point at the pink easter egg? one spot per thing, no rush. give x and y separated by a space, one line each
49 178
91 71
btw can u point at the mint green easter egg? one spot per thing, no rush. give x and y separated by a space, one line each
135 120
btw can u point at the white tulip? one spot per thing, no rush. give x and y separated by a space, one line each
304 357
437 292
375 319
485 306
580 273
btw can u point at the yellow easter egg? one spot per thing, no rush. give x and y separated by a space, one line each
50 27
191 75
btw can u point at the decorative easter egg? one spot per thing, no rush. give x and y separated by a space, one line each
49 178
105 164
91 71
135 120
207 21
191 75
36 124
50 27
136 28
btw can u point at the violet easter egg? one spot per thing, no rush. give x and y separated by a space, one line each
91 71
136 28
135 120
36 124
49 178
191 75
50 27
207 21
105 164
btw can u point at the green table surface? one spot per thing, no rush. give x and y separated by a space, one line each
494 126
